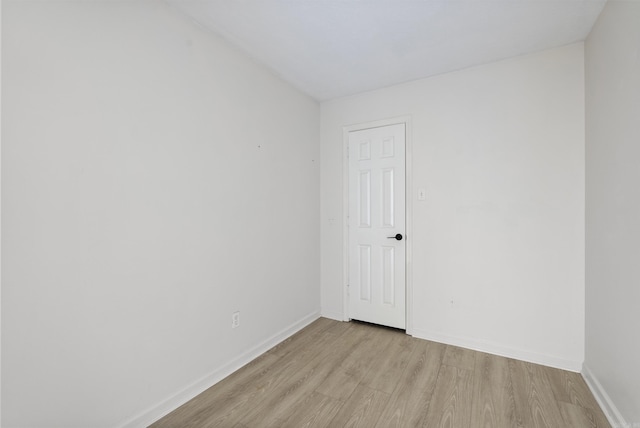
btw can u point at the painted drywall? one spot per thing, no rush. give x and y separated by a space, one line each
498 244
154 180
612 65
0 209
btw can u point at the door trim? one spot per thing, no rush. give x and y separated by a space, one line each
406 120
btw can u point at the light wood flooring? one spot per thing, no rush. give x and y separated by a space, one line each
336 374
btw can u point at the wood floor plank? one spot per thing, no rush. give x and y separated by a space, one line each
308 352
576 416
493 400
410 400
364 343
314 410
534 399
451 403
362 408
299 382
389 365
333 374
197 411
566 388
571 388
302 338
232 396
459 357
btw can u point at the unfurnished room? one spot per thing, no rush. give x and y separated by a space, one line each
320 213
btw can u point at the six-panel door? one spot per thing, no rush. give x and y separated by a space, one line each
376 217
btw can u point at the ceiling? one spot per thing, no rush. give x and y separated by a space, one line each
333 48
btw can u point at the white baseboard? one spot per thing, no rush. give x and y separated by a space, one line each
338 316
163 408
610 410
498 349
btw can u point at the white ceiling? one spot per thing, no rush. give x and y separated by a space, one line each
333 48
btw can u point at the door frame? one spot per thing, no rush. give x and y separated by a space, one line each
408 211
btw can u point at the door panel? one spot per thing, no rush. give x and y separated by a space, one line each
376 215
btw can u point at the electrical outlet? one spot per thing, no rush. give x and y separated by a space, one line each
235 319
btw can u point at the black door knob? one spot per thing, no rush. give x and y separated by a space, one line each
398 237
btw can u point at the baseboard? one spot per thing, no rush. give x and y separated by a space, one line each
498 349
163 408
338 316
606 404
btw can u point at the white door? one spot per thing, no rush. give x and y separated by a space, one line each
377 225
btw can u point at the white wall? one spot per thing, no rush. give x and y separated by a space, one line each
154 180
612 59
0 209
498 245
